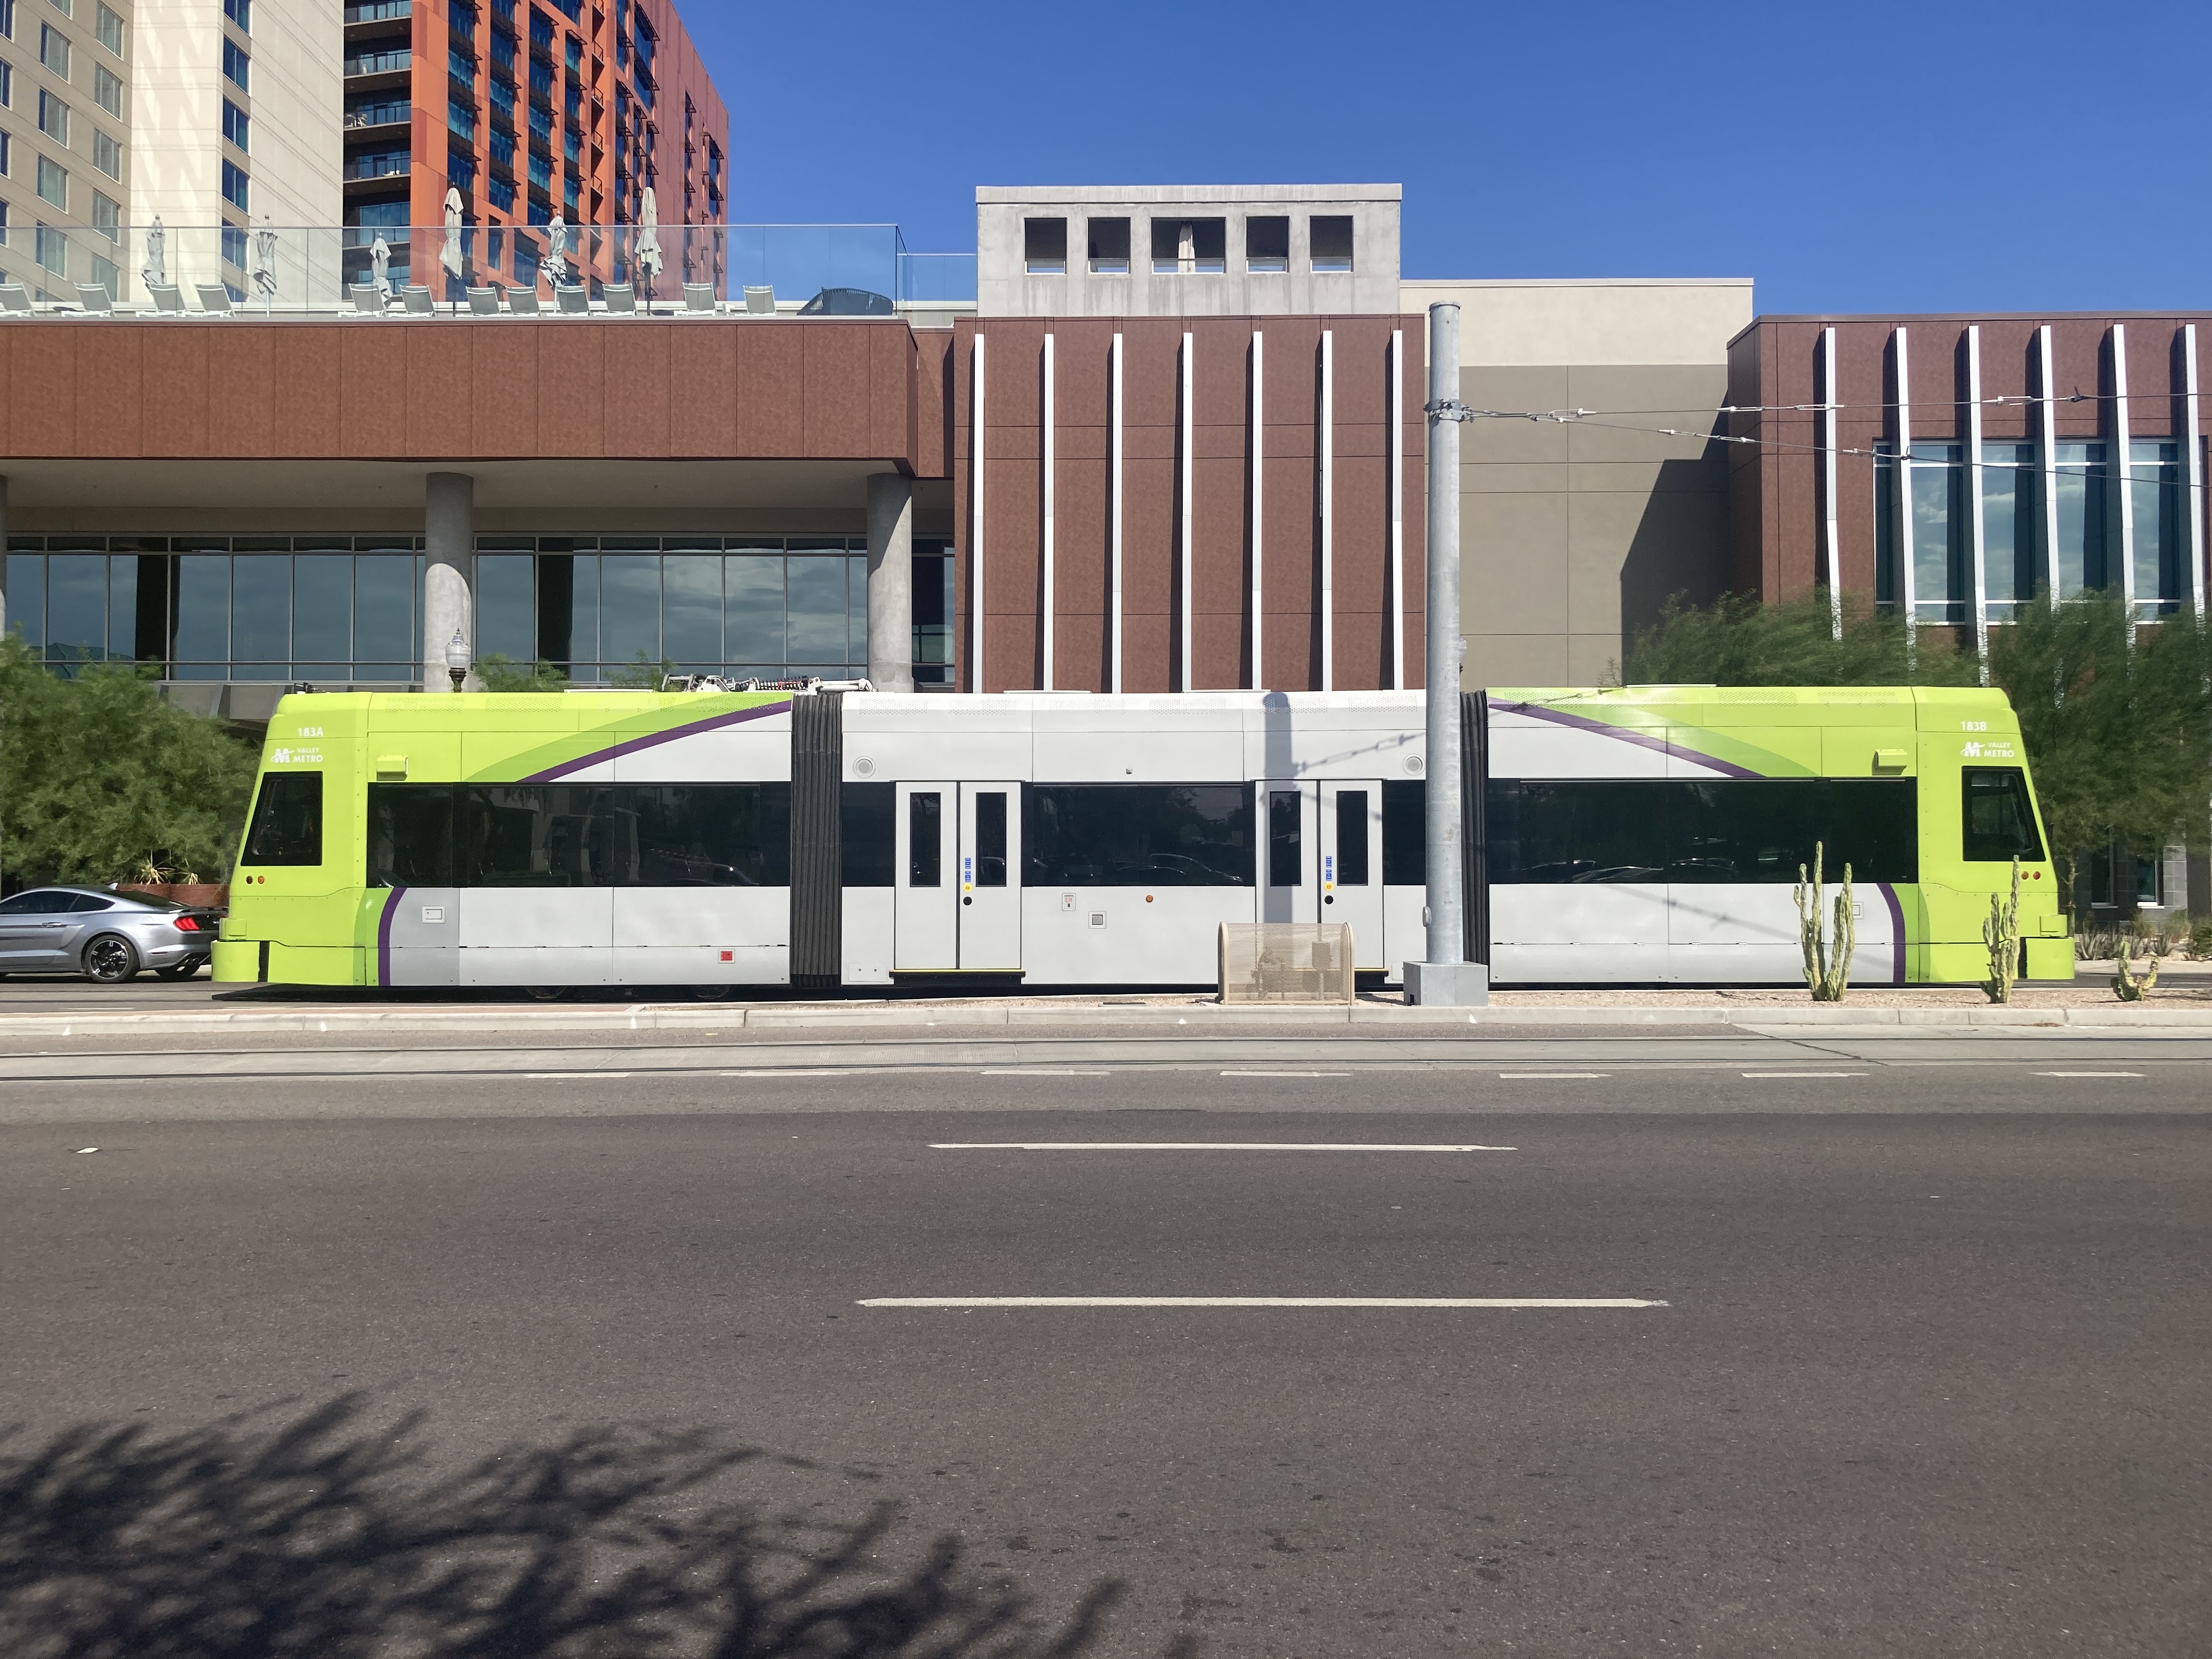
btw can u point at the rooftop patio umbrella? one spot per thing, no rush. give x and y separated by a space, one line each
556 249
648 244
450 255
156 273
379 267
265 266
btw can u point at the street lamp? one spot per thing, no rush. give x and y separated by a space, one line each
457 659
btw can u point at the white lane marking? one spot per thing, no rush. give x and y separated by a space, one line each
541 1075
1195 1146
1541 1077
1287 1074
82 1151
2088 1074
1257 1301
1038 1070
1758 1074
796 1071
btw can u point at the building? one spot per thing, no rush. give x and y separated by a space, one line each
234 124
66 160
532 110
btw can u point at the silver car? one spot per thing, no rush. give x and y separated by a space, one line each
104 935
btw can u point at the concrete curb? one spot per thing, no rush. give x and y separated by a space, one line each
697 1018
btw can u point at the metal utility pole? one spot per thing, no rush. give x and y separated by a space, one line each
1447 979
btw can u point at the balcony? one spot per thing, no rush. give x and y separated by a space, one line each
384 164
367 117
378 11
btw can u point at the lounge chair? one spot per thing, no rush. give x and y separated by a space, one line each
522 301
419 303
483 302
365 298
215 299
94 296
14 297
620 296
168 299
575 299
760 301
699 299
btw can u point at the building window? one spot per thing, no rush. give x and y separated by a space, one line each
2154 494
8 18
6 160
461 171
1044 246
500 192
7 83
65 7
460 118
461 21
2010 571
108 27
502 54
106 154
1109 244
1936 497
54 50
235 185
1188 245
52 250
236 123
4 224
107 89
239 12
53 183
1329 246
107 217
233 243
461 67
53 117
1267 243
2082 494
237 67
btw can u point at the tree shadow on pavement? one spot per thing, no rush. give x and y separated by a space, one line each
328 1534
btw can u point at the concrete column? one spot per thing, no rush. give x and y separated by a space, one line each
891 582
449 575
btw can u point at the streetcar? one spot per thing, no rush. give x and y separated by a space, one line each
822 839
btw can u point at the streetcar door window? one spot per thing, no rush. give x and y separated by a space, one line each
1290 819
925 855
926 905
1285 857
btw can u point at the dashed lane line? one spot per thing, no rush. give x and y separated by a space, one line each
1197 1146
1258 1302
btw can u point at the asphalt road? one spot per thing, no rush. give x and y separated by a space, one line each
496 1363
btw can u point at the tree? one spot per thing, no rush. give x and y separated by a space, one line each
1740 642
99 778
500 673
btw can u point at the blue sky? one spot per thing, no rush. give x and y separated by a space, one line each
1873 157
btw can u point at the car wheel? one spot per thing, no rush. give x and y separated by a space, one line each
111 959
184 969
547 993
710 992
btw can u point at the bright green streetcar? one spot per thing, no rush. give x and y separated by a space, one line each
1645 835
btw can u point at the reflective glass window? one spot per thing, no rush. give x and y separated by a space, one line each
27 597
204 609
629 608
507 606
856 612
815 624
991 838
76 607
924 838
583 612
1405 833
322 611
1351 838
1998 818
286 827
384 609
2079 493
261 611
753 598
122 608
1941 587
2009 568
866 813
1286 860
691 608
2154 496
722 835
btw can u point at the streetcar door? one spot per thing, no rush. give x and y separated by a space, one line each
926 902
990 877
1290 860
1351 865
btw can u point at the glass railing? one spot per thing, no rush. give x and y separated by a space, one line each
760 269
378 11
378 63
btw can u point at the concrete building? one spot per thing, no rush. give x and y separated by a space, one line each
66 158
1186 250
532 110
234 124
1574 533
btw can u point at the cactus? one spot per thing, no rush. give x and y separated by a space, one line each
2127 985
1827 971
2001 934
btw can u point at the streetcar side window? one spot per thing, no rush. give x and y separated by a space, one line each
1137 834
924 838
693 835
1998 819
287 820
1406 833
868 815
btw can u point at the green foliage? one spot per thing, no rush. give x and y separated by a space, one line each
642 673
99 778
2116 719
500 673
